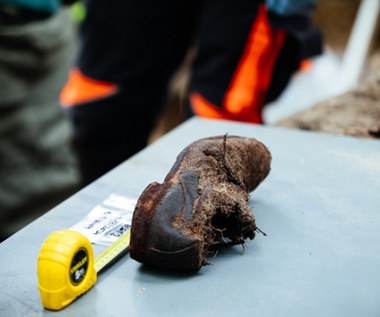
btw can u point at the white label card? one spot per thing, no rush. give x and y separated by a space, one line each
106 222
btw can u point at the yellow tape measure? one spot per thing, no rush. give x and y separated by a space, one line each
67 268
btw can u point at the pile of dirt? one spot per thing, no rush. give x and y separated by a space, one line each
357 112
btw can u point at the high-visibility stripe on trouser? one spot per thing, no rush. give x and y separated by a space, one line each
96 111
245 96
81 89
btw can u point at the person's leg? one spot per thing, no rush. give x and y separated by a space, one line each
238 60
129 51
37 166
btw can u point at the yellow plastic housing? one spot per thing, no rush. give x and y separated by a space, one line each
65 268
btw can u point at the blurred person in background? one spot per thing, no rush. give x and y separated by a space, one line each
245 54
37 166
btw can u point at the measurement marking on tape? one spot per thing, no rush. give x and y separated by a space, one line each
110 254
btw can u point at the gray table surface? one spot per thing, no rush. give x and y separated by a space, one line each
320 208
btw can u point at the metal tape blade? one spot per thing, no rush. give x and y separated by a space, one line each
113 252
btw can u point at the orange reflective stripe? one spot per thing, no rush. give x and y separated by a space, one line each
204 108
251 80
306 65
80 89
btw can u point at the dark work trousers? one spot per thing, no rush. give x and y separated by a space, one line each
136 46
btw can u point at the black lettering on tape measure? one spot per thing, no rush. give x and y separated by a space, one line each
79 266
